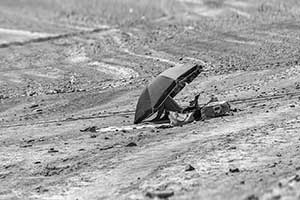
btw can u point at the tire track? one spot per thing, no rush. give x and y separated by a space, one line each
130 112
128 51
54 37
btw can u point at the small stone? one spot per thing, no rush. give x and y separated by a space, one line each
26 145
234 170
296 178
34 106
41 189
234 110
92 129
252 197
131 144
160 194
189 168
292 106
52 150
30 141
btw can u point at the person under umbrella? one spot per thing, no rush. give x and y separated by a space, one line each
157 95
169 105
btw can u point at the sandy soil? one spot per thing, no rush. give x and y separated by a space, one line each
67 65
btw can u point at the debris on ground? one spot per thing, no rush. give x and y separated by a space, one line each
92 129
234 170
160 194
212 109
131 144
252 197
34 106
52 150
189 168
215 109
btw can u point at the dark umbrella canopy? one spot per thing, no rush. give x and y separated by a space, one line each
163 85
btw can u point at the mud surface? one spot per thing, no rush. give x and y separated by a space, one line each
71 72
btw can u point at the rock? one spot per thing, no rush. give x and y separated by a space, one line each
34 106
252 197
234 110
26 145
131 144
52 150
292 106
160 194
189 168
234 170
39 110
2 96
30 141
41 189
295 178
92 129
93 136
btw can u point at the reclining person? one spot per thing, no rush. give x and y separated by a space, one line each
170 105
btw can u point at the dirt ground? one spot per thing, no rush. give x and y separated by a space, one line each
67 65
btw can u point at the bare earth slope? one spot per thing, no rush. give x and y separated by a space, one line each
68 64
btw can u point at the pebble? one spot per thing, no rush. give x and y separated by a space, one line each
252 197
52 150
92 129
160 194
234 170
189 168
131 144
34 106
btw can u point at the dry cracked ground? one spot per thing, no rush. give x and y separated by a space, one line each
67 65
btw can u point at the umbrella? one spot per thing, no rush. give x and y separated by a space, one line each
168 83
